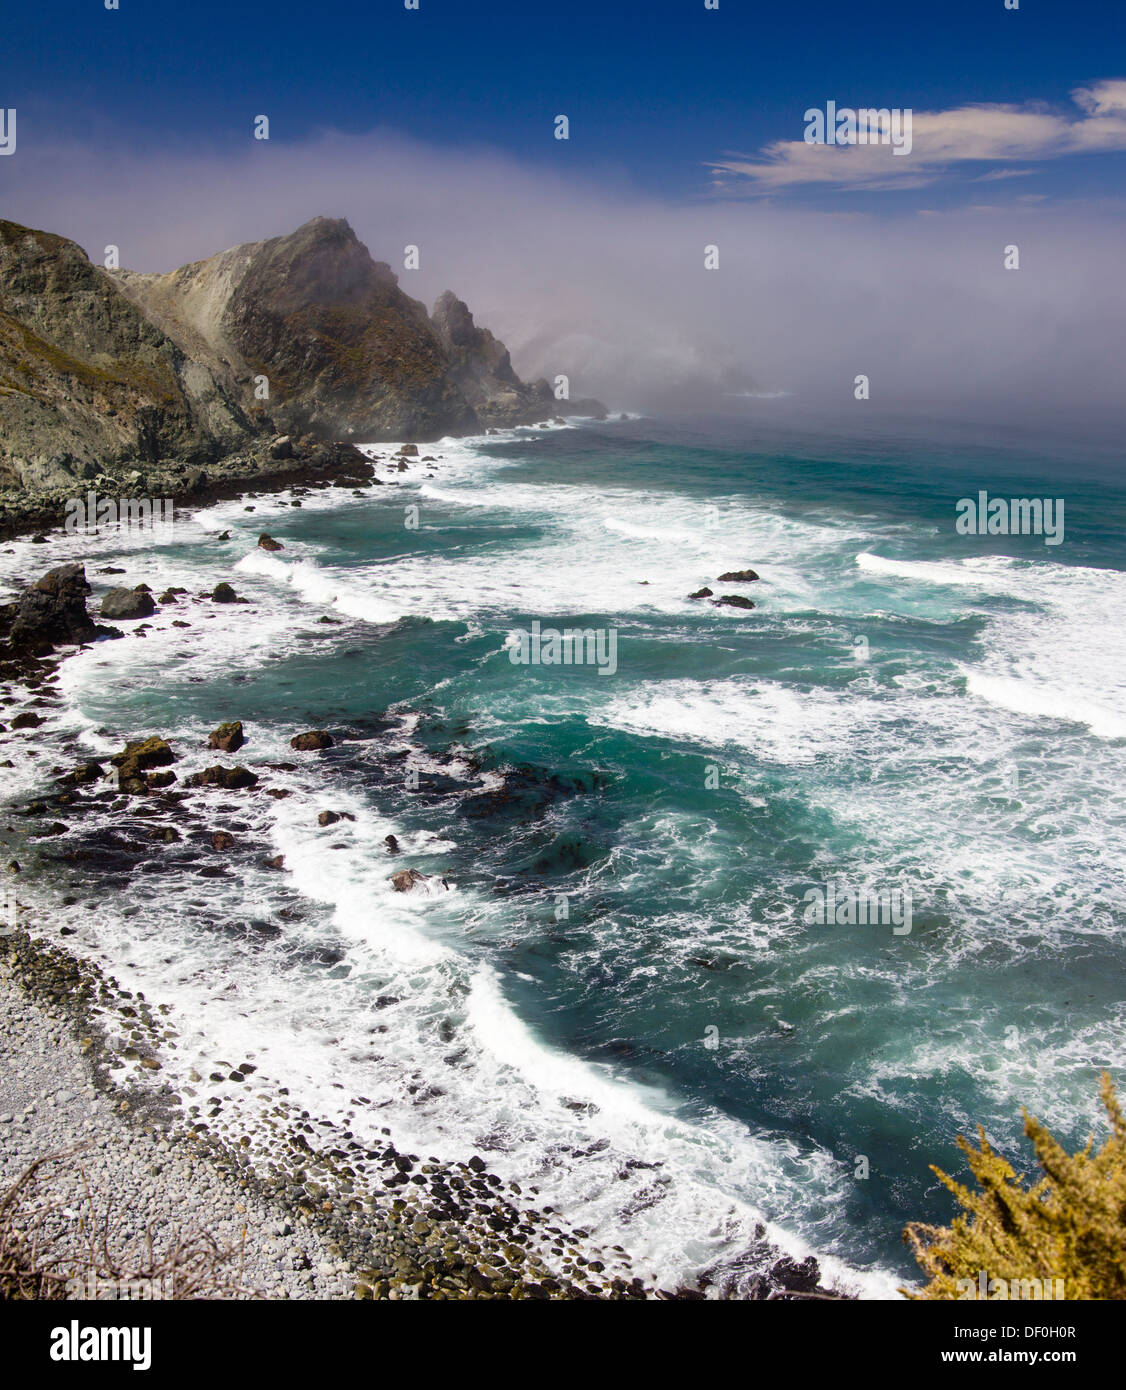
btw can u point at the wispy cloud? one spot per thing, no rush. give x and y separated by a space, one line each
941 142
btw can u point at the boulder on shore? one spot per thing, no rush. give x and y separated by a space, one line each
128 603
228 738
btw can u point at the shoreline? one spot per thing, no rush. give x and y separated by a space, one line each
366 1206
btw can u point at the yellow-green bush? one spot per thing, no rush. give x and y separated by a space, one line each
1070 1225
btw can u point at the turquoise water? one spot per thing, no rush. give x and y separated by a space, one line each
620 997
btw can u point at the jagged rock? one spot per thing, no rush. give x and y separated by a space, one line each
53 609
157 781
223 593
27 720
222 839
391 843
228 738
737 577
266 542
732 601
230 778
128 603
282 447
701 593
311 741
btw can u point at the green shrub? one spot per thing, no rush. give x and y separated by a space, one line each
1069 1226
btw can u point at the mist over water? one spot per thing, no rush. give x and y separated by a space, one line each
680 1055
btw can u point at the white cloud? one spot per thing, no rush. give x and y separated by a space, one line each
941 140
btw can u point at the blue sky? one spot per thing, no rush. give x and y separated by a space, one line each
656 90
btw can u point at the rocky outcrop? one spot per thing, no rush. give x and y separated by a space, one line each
53 610
312 741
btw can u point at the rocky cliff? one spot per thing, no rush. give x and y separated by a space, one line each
104 372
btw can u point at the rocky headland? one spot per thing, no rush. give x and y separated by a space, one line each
255 367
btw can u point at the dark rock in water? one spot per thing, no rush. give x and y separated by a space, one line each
701 593
737 577
328 818
406 879
82 774
27 720
223 593
797 1278
409 450
222 839
228 738
732 601
391 843
230 778
223 536
266 542
137 758
112 569
157 781
128 603
167 597
53 609
278 793
277 862
311 741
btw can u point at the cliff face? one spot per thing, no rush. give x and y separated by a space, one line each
86 380
105 369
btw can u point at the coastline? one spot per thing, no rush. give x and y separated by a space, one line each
368 1223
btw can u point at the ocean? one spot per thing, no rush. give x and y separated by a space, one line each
623 999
